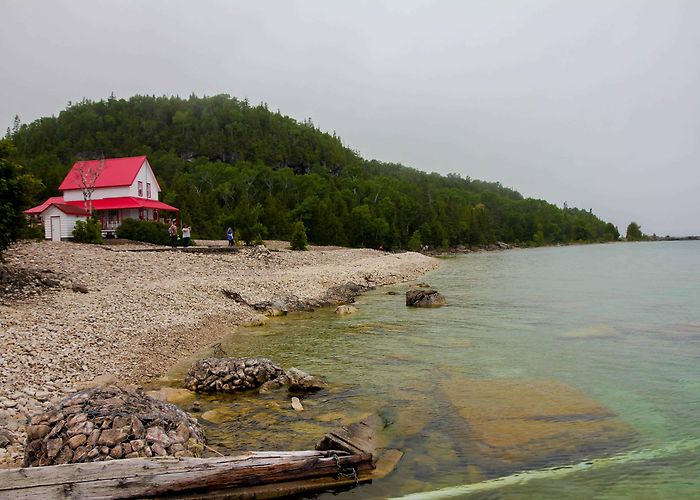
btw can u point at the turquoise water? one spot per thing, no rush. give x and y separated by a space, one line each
543 357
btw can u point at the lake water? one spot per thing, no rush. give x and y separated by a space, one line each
543 357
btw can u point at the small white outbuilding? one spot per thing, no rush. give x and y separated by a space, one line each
59 220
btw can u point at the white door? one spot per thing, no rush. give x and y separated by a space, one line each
55 228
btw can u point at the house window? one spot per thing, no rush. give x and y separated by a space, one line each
148 190
140 189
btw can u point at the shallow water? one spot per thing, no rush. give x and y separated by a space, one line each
543 357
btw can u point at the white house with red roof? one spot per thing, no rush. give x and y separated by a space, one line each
124 188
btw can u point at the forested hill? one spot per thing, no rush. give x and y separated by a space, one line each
224 162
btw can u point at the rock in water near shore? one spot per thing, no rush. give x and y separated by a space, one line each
298 381
425 298
230 374
107 423
345 309
239 374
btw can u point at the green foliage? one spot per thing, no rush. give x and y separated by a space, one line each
32 230
144 230
415 244
248 223
88 231
634 232
16 191
223 163
298 240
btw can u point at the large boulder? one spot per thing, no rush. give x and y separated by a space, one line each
107 423
425 298
230 374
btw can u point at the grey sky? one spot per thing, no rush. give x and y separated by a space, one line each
593 102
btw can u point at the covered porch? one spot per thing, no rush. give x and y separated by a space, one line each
111 212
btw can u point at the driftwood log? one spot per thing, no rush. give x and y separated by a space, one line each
149 477
253 475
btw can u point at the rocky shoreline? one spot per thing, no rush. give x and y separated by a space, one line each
87 311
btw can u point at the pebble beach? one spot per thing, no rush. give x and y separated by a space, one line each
130 312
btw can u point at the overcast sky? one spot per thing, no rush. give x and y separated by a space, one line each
592 102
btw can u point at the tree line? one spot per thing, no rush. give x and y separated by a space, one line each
224 162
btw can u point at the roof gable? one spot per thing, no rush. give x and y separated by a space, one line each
115 172
40 208
70 209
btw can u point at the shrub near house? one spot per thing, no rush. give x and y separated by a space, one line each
146 231
88 231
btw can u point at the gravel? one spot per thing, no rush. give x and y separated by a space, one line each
108 310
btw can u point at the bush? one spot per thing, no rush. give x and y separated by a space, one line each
32 230
148 231
298 238
415 244
88 231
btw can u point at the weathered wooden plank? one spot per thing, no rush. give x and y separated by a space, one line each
360 437
15 478
386 464
155 477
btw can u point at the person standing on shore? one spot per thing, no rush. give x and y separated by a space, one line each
172 231
229 236
186 236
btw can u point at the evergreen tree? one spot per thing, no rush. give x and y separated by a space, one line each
298 239
16 191
634 232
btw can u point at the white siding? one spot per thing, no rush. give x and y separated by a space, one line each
146 176
67 222
98 193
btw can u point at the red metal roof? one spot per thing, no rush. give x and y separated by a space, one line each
115 172
126 202
103 204
40 208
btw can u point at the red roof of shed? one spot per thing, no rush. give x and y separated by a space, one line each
40 208
115 172
71 209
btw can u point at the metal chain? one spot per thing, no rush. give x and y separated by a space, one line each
346 472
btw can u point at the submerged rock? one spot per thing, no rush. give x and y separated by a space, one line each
345 309
516 424
296 404
425 298
110 422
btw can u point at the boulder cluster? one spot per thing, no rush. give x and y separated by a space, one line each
230 374
107 423
239 374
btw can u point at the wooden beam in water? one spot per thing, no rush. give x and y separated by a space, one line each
360 437
149 477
